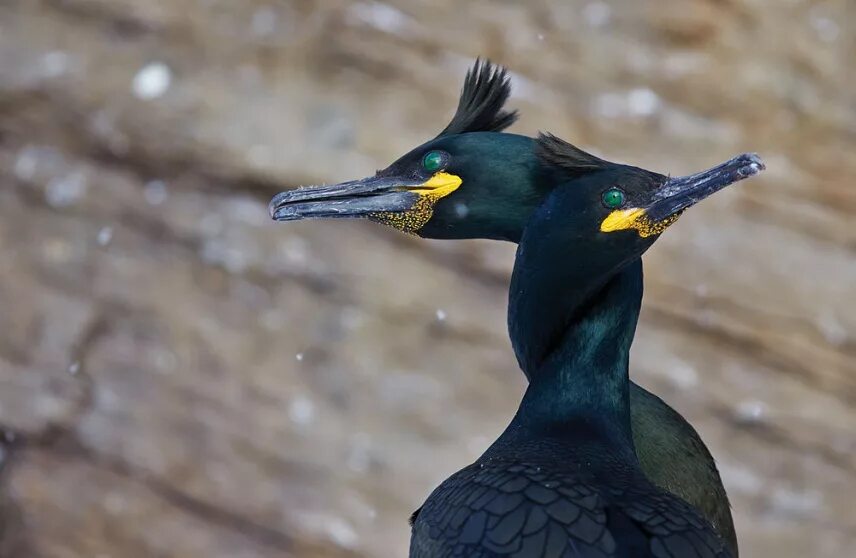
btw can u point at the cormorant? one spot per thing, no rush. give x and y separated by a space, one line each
563 479
490 191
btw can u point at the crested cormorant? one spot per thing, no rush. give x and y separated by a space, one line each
563 479
496 185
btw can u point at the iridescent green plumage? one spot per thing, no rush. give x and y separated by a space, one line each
564 478
505 178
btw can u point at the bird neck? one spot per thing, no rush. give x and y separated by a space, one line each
572 325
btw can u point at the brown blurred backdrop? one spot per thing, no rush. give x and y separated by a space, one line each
180 377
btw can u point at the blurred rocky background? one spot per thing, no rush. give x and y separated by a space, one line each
180 377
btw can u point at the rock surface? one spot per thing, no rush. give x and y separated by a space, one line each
179 377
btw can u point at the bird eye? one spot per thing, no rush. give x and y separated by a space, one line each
613 198
433 161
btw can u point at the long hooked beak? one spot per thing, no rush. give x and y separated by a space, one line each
677 194
356 198
682 192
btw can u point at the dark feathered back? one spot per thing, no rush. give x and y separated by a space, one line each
486 88
570 158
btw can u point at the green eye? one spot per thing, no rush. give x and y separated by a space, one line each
433 161
613 198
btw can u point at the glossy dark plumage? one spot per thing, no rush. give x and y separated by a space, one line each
527 507
504 181
564 479
571 159
480 107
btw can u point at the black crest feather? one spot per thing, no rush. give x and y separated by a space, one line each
571 159
413 516
486 89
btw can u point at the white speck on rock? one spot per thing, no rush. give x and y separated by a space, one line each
155 192
301 411
379 15
802 503
247 211
65 190
638 102
832 329
25 163
105 235
55 64
597 14
341 533
643 102
265 21
525 88
826 28
231 258
682 375
299 357
750 412
295 252
74 368
32 159
441 315
152 81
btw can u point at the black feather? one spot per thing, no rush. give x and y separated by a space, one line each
486 89
413 516
570 158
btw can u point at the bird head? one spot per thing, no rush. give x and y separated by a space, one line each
617 209
475 181
471 181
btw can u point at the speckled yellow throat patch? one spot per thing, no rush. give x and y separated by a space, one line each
430 192
411 220
636 218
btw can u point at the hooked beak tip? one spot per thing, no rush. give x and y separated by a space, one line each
279 209
754 165
682 192
273 206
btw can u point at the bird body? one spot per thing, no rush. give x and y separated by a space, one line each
674 457
563 479
475 181
551 497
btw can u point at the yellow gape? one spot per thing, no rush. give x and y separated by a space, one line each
638 219
438 186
